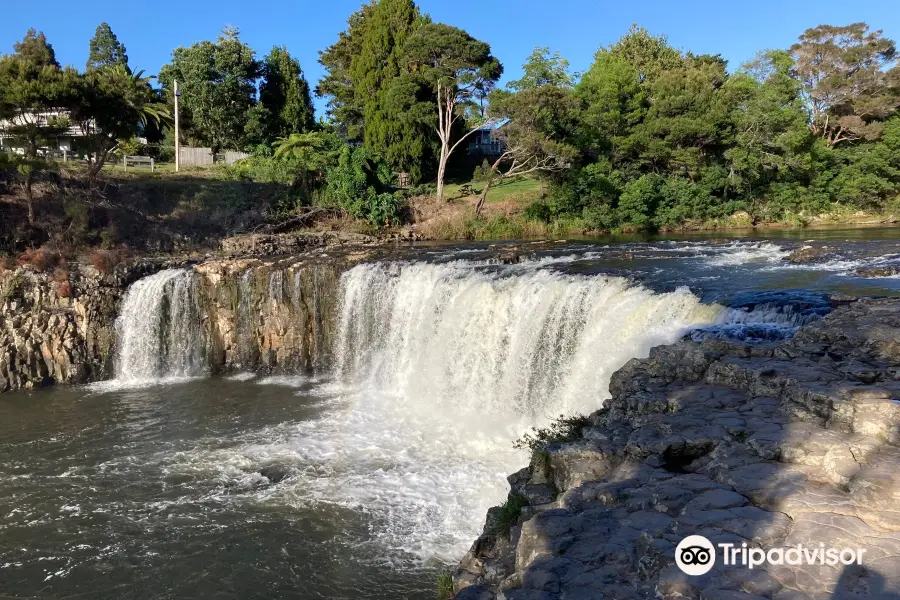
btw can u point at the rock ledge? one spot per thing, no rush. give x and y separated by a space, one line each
771 445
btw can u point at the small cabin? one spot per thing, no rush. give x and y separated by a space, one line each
485 141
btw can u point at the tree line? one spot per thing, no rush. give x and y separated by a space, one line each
650 136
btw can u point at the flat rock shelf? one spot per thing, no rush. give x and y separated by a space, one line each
773 445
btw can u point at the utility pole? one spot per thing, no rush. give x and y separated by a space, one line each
177 145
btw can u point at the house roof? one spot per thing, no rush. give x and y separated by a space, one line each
493 124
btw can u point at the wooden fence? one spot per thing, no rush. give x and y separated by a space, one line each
196 157
229 157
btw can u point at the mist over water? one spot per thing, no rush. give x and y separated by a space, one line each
354 481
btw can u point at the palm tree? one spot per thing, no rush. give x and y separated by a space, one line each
113 104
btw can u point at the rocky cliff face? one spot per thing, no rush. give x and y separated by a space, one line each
768 445
272 315
56 329
268 314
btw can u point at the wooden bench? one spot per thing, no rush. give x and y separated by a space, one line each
138 161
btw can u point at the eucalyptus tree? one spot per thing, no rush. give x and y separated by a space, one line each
454 66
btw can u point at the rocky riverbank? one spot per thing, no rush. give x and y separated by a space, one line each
772 445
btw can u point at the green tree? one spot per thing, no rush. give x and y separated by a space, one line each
34 50
365 99
770 124
687 126
33 90
454 66
649 54
112 105
543 68
535 137
847 83
345 106
284 94
105 49
217 81
613 103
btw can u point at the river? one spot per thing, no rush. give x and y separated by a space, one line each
365 479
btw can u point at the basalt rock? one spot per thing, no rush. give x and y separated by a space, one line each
769 445
57 329
808 254
878 272
272 315
291 243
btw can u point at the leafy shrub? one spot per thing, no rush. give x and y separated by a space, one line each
564 429
537 211
358 184
63 289
383 210
104 260
482 172
40 260
600 216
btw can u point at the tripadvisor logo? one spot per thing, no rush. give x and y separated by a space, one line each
696 555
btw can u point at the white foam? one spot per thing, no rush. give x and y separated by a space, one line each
739 253
244 376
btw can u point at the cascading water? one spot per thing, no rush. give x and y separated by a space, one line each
524 343
158 329
442 366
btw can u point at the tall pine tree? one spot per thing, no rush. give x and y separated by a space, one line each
106 49
362 67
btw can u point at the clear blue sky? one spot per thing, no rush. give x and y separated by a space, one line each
513 27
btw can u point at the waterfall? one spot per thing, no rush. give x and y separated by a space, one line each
436 368
158 329
516 341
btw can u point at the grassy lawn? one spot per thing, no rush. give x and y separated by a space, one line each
522 191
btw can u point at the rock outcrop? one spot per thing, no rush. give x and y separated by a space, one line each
56 329
770 445
272 244
274 315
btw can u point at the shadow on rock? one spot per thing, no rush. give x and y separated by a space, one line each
762 446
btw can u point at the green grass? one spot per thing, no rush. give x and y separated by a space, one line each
510 512
521 190
444 586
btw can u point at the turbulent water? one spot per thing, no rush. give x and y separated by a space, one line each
355 481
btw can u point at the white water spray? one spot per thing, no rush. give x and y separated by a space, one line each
158 329
529 344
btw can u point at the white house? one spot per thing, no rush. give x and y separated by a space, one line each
62 143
